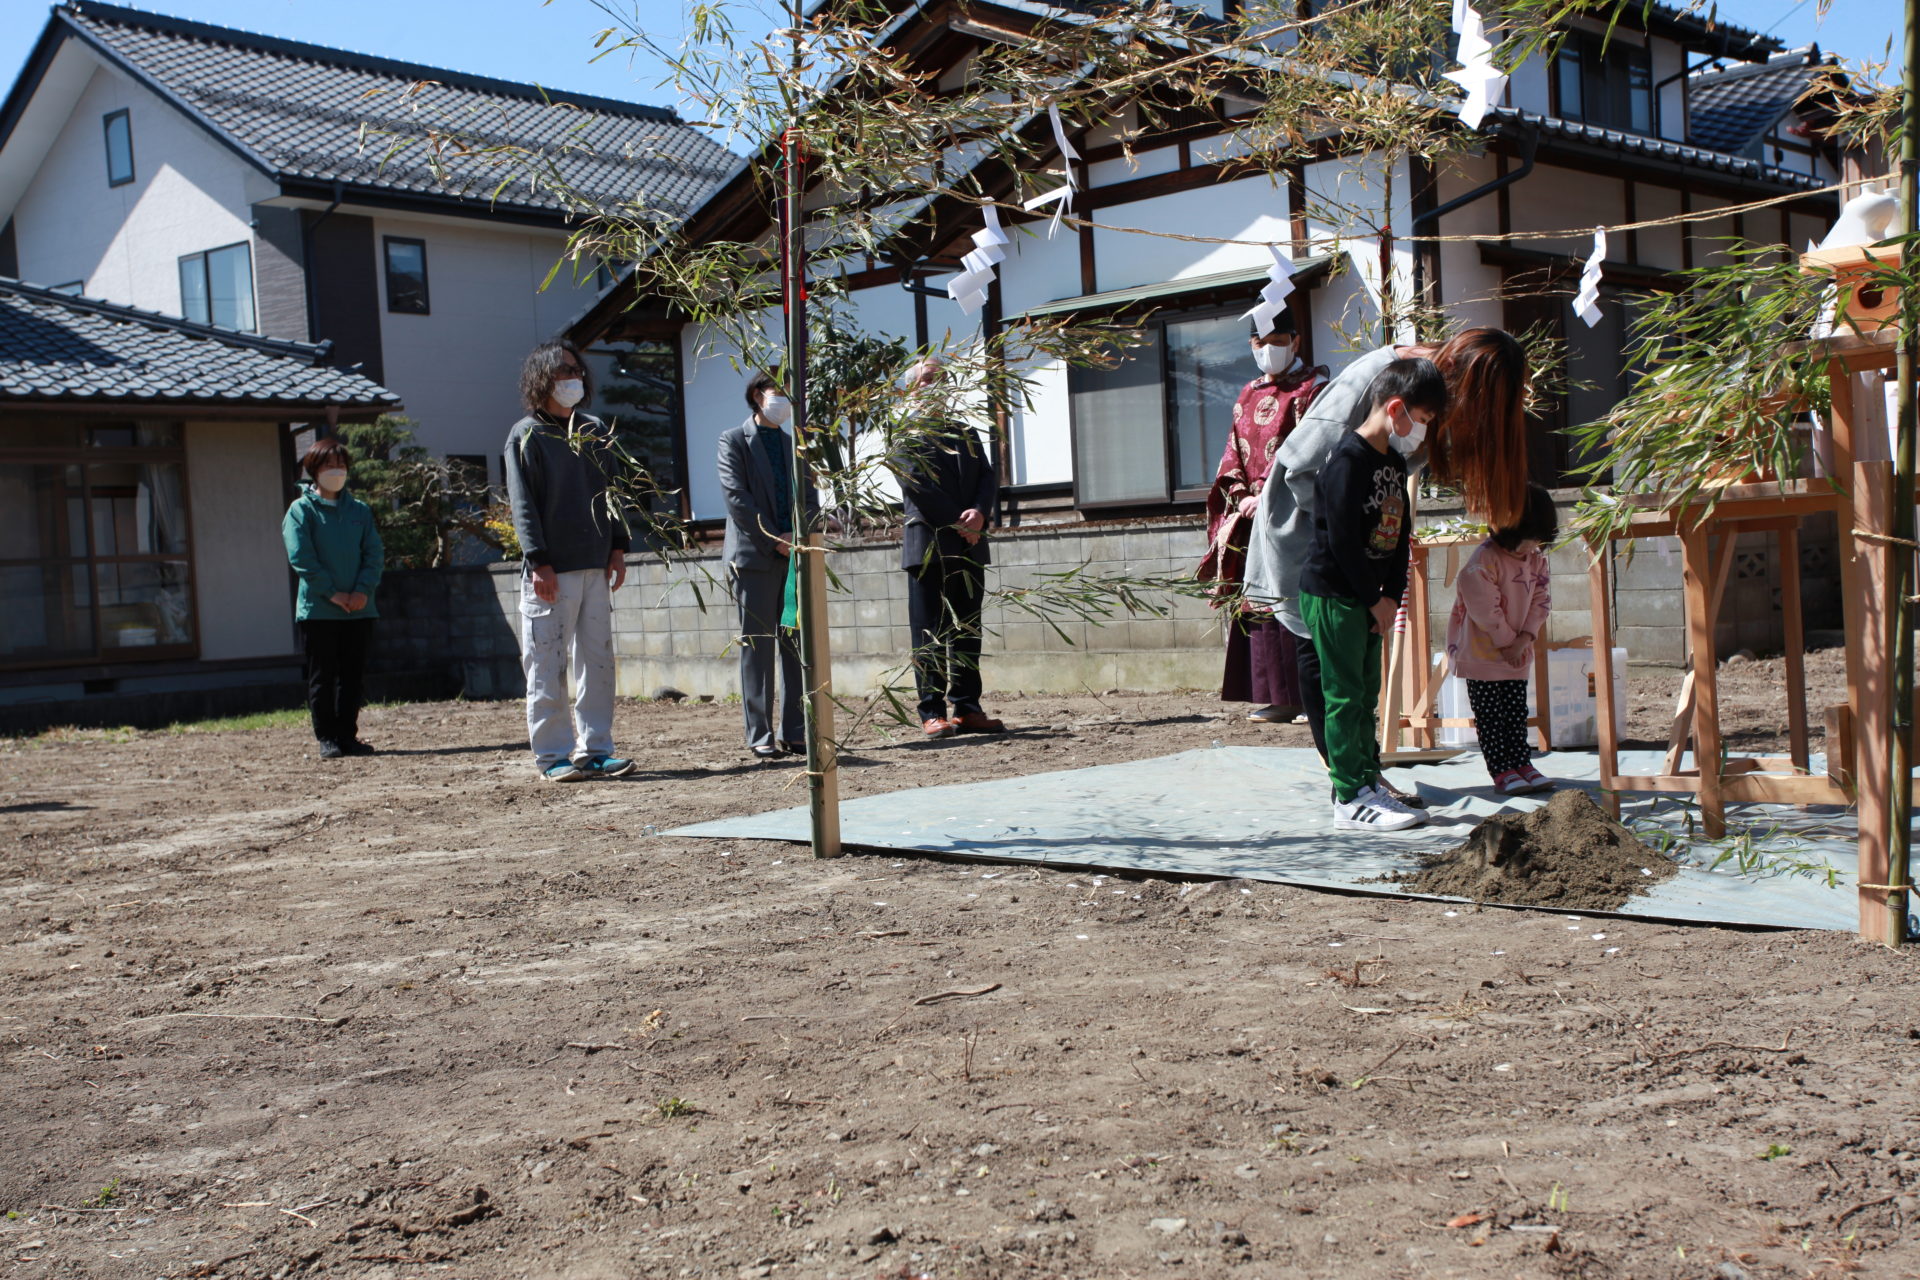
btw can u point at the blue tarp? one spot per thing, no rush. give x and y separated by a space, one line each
1263 813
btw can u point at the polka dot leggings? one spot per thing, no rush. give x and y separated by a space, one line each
1500 718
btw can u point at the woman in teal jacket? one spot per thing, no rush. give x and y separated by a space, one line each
334 547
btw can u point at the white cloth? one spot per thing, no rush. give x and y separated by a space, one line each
572 638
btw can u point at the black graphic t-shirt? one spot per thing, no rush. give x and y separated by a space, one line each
1360 526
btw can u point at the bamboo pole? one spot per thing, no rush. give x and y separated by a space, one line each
822 768
1900 582
1606 729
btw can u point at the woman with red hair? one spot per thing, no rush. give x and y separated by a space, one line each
1478 447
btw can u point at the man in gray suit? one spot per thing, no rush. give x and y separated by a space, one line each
756 476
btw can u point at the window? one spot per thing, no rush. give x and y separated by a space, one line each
119 128
637 390
216 287
1594 375
95 553
406 275
1604 82
1152 430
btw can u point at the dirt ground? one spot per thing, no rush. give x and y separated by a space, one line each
419 1015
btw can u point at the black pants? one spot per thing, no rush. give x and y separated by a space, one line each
1500 718
944 597
1307 660
336 662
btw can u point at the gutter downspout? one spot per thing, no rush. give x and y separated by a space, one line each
306 260
1529 145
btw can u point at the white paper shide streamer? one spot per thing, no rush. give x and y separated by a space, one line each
969 288
1586 303
1061 197
1478 75
1273 296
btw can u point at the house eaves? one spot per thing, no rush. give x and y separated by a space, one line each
1575 139
62 351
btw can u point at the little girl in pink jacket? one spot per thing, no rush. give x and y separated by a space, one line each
1499 613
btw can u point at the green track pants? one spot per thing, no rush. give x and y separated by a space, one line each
1350 682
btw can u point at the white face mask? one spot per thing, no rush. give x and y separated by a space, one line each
1409 444
332 480
1274 359
568 392
776 409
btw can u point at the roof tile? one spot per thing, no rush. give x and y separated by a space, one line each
55 346
326 114
1731 108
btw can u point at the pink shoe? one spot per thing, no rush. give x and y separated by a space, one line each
1536 781
1511 783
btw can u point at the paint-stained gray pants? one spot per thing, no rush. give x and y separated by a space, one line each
760 594
573 636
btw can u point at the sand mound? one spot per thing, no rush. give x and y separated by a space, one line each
1567 853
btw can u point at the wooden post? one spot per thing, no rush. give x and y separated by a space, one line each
1900 560
1868 633
1796 641
1607 733
823 789
823 753
1706 722
1873 698
1419 668
1685 708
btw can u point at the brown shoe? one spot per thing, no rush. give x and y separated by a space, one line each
977 722
935 727
1411 799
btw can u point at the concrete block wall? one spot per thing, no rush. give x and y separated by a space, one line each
675 625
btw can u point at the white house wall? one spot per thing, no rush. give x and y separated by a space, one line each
1555 199
1669 59
1468 286
189 194
1344 200
1662 247
1037 270
1250 209
457 369
715 401
1527 87
239 562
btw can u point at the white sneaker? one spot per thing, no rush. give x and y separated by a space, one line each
1375 810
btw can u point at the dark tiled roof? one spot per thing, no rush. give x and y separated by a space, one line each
1634 144
56 347
306 112
1733 107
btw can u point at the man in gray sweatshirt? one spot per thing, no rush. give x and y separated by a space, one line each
573 545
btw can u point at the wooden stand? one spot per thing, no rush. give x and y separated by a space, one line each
1860 499
823 760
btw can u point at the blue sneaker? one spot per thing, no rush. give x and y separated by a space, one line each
607 767
564 771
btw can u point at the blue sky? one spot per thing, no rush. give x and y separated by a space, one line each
552 43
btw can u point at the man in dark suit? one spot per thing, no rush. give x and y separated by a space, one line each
948 486
756 476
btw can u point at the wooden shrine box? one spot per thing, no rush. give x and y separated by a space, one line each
1863 300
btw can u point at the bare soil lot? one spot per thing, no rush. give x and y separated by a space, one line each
418 1015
